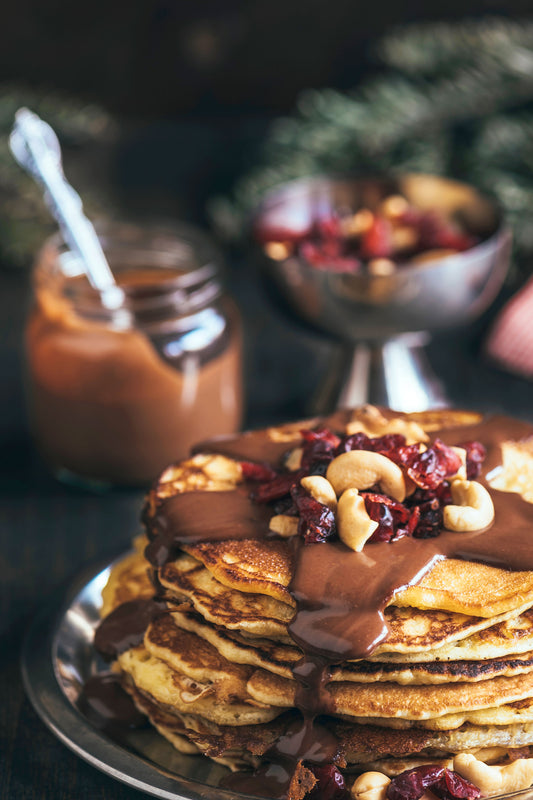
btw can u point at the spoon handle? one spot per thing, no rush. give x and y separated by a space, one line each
36 148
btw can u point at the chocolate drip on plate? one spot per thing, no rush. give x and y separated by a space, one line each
108 706
125 626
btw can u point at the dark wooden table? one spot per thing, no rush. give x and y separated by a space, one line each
49 532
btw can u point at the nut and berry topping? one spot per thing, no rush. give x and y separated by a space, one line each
375 242
365 489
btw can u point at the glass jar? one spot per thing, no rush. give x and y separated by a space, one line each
117 395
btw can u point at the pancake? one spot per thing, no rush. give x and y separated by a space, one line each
249 566
187 654
173 690
513 635
391 700
416 634
280 659
411 632
412 651
232 746
432 672
451 585
367 743
253 651
257 615
129 579
361 744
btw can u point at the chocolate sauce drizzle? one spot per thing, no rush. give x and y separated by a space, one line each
108 706
205 516
126 625
341 595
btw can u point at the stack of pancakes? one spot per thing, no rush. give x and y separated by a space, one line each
214 672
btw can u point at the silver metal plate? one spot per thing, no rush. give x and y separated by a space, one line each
58 657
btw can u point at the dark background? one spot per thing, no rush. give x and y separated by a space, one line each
196 84
153 58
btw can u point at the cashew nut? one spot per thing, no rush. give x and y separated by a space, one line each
353 523
494 780
473 509
361 469
371 421
294 459
284 525
370 786
461 472
220 468
321 489
289 433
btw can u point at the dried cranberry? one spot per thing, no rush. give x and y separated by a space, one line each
443 493
392 517
431 466
420 496
319 447
277 488
405 455
357 441
276 233
287 506
454 787
413 520
424 471
327 255
448 785
451 239
377 242
329 228
475 455
449 462
316 521
325 248
411 784
330 784
429 521
435 232
411 217
387 445
257 472
322 434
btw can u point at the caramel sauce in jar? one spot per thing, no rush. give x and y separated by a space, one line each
117 395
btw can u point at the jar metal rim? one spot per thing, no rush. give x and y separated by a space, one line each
197 285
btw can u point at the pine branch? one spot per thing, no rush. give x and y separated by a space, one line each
430 49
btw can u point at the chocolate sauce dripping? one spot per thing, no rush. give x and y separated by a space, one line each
126 625
108 706
250 446
258 446
205 516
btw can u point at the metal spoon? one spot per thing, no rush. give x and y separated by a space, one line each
36 148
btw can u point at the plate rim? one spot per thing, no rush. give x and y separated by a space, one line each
69 725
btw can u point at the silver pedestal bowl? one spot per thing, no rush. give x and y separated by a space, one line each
384 321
